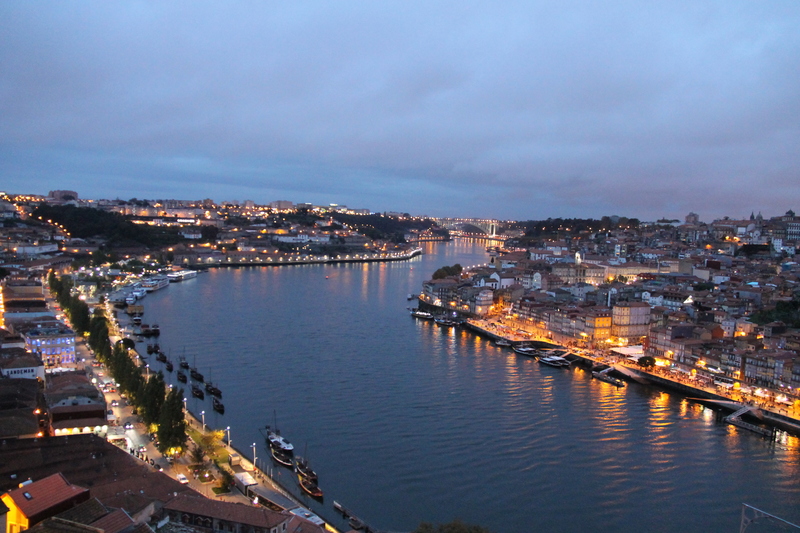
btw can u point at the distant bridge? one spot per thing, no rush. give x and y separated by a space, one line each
489 227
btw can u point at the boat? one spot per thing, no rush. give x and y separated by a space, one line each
281 457
528 351
218 406
197 392
603 375
181 275
410 296
150 331
137 321
181 376
155 283
445 322
214 391
168 365
197 376
151 348
555 361
310 486
183 363
416 313
502 342
302 467
161 356
275 440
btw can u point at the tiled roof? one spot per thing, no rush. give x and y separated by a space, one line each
43 494
231 512
114 522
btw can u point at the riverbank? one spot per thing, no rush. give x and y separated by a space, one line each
225 260
783 417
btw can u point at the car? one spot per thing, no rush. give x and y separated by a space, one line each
142 449
129 425
183 479
114 403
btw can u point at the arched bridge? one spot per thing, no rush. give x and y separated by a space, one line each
489 227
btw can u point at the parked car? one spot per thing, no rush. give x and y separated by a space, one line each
183 479
129 425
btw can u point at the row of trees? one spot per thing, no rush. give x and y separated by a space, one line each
447 271
161 409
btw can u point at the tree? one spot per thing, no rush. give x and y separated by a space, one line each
647 361
447 271
171 423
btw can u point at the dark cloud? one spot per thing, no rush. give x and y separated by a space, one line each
522 110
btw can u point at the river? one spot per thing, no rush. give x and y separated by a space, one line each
406 422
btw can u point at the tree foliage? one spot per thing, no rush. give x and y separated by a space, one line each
447 271
647 361
117 230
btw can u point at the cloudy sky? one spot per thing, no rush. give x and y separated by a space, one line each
512 110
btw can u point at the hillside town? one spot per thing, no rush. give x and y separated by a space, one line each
716 301
717 304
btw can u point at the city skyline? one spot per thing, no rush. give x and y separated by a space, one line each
524 111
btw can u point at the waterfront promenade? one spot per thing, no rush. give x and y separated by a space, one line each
782 415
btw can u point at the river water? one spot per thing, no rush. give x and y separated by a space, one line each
406 422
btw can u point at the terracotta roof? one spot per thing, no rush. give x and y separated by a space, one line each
44 494
231 512
114 522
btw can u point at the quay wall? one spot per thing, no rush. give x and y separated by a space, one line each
311 260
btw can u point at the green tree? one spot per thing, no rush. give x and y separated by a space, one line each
171 422
447 271
647 362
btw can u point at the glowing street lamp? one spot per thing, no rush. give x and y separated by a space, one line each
228 429
254 455
203 414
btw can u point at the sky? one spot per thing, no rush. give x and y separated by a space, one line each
515 110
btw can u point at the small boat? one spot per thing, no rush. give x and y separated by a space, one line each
555 361
168 365
181 376
445 322
303 469
502 342
410 296
183 363
161 356
137 321
416 313
602 375
212 390
218 406
526 351
281 456
310 486
197 376
197 392
151 348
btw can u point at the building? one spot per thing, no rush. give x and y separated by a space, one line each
630 321
35 501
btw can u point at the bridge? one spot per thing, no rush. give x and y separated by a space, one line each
488 226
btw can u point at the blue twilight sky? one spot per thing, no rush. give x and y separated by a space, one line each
514 110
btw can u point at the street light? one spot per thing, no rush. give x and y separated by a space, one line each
228 429
254 456
184 404
203 414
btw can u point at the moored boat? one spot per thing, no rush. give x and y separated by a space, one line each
181 376
213 390
416 313
281 456
161 356
197 392
197 376
502 342
310 486
218 406
183 363
528 351
603 376
555 361
168 365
